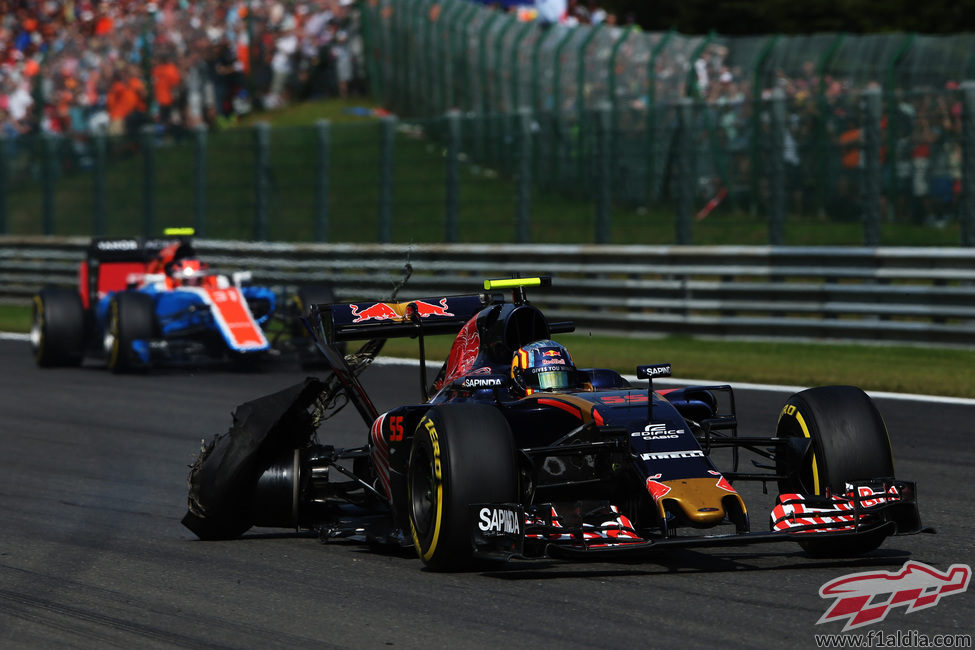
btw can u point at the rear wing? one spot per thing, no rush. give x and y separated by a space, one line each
111 262
367 319
135 249
377 321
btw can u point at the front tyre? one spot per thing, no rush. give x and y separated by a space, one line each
461 454
849 443
57 331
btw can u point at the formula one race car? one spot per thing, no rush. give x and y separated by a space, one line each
142 302
516 453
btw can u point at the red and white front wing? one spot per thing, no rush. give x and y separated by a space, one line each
615 529
796 513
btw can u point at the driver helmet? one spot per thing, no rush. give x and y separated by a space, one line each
186 272
543 366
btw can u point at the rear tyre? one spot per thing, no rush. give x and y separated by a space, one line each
251 474
131 324
57 331
461 454
849 443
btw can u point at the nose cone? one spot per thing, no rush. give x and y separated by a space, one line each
698 502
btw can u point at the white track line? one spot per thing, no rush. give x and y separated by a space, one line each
672 381
675 381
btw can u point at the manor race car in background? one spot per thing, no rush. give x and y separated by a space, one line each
143 302
516 453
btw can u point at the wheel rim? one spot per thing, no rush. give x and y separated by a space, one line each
110 338
807 479
803 481
423 499
37 331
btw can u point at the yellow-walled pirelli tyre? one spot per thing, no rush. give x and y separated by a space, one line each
849 443
461 454
131 318
57 331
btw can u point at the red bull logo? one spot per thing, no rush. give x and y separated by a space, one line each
656 488
397 311
722 482
915 586
425 309
379 311
551 353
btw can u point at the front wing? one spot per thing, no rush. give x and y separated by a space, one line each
879 507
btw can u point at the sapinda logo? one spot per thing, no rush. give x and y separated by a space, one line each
866 598
499 520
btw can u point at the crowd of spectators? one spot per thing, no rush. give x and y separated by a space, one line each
823 150
565 12
78 67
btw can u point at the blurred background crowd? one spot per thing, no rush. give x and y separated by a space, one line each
921 135
80 66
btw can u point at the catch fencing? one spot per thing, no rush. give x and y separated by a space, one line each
508 131
904 295
473 178
871 128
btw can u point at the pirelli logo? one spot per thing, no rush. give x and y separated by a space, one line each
668 455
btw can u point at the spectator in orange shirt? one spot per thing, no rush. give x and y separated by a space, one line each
126 102
121 101
165 80
137 116
104 23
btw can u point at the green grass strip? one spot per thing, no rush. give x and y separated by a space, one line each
901 369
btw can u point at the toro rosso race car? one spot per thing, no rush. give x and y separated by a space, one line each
517 453
141 302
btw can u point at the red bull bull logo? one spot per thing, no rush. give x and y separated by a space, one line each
425 309
656 488
379 311
915 586
397 311
722 483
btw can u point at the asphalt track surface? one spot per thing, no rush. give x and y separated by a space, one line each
93 485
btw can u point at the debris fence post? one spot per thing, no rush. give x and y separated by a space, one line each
262 179
452 177
387 139
200 180
323 146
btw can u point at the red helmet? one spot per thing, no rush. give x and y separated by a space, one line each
187 272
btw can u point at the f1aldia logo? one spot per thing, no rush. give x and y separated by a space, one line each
866 598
